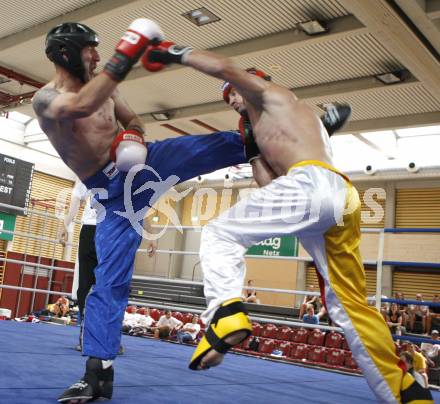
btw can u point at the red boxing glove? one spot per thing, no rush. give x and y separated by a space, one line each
131 46
154 66
251 149
128 149
158 56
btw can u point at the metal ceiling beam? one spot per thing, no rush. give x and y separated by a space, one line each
345 87
92 10
415 10
396 36
432 8
342 27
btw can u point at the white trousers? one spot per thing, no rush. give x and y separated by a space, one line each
321 208
305 202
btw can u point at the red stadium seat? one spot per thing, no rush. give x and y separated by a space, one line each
316 337
285 346
246 342
349 362
142 311
334 340
293 334
266 346
177 314
317 354
284 333
335 357
155 314
257 329
299 351
131 309
187 318
300 336
269 331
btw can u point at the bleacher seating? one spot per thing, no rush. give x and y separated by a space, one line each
285 333
333 340
269 331
317 354
266 346
257 329
335 357
187 318
299 351
155 314
300 336
309 346
285 347
316 337
178 315
349 361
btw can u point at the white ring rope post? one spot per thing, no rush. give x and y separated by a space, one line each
23 289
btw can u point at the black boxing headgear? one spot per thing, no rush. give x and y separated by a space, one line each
227 87
64 44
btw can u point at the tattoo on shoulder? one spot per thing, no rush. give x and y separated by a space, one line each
43 98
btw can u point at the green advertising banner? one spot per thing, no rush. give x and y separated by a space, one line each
7 222
286 246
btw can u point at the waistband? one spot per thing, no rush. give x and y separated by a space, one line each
102 176
319 164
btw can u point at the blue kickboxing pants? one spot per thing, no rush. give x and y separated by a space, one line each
122 201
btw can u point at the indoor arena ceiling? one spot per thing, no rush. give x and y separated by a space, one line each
363 40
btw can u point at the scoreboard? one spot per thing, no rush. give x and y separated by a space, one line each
15 184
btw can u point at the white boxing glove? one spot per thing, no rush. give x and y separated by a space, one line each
128 149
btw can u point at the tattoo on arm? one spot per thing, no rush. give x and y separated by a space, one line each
42 99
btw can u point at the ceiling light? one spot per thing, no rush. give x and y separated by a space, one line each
390 78
201 16
313 27
275 68
155 219
161 116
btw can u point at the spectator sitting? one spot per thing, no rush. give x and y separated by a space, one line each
394 319
61 307
313 300
310 317
142 322
432 351
417 312
250 295
407 358
403 309
130 319
419 363
189 331
166 325
434 312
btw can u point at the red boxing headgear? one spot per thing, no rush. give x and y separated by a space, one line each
227 87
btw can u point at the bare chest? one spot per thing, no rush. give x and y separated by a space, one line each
102 121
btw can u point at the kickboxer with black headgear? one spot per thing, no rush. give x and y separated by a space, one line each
80 112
